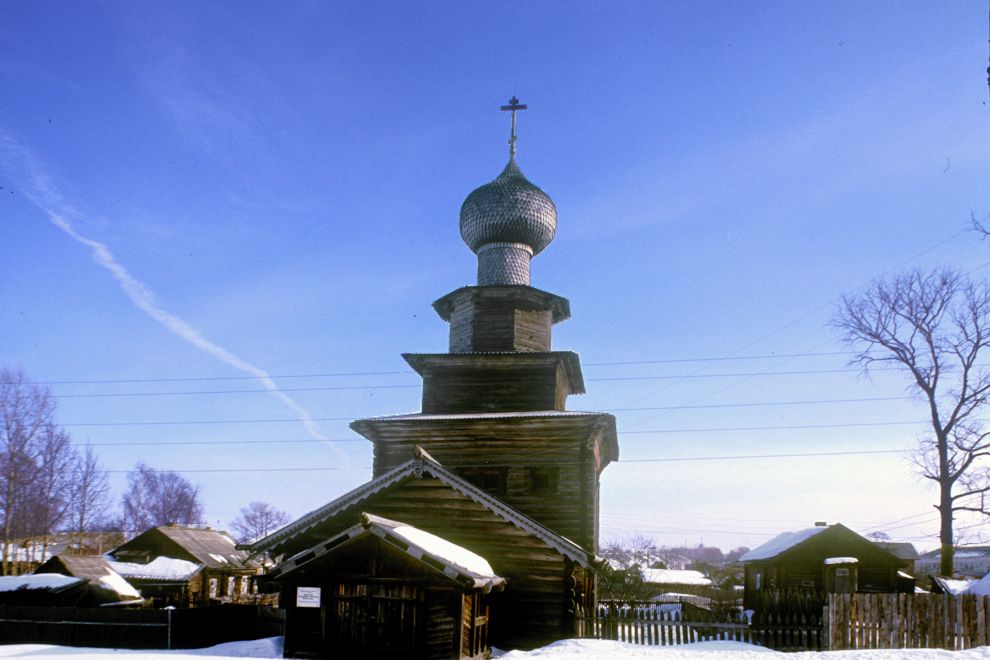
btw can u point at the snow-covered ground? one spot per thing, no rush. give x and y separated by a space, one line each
583 649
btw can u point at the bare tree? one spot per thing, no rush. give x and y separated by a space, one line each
257 520
935 327
51 486
156 498
89 500
621 577
26 411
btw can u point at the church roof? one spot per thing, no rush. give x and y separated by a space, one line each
508 209
422 465
569 359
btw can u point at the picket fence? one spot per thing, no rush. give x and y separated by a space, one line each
848 621
665 624
895 621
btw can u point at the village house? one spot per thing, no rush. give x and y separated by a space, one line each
494 463
823 559
186 566
968 561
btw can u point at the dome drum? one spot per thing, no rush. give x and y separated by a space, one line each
504 263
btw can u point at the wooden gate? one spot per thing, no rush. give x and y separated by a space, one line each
374 619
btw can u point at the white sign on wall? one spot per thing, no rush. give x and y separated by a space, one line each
307 596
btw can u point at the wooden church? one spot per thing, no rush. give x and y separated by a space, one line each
497 480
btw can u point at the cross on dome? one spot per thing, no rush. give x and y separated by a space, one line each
513 107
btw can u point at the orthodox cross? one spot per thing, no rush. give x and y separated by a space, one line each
513 106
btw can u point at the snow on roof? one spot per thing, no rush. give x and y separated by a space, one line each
41 582
455 562
669 576
112 581
981 587
832 561
781 543
469 562
161 568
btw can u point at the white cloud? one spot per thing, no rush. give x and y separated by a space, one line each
39 188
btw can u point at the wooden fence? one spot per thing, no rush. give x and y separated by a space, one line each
654 624
138 628
886 621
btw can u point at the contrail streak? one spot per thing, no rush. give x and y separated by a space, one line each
42 192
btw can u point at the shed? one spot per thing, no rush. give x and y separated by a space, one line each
820 558
384 588
105 586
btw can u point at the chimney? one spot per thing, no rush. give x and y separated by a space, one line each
821 523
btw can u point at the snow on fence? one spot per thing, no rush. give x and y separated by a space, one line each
885 621
654 624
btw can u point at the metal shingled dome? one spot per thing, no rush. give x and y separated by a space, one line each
510 209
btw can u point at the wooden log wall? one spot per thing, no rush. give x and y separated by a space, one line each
531 609
561 446
498 387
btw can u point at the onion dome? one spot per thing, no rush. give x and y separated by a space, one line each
506 222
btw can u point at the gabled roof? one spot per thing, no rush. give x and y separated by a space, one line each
97 570
781 543
788 541
455 562
423 465
209 547
902 550
160 569
75 565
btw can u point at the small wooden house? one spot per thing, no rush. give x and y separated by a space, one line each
186 566
824 559
383 588
105 586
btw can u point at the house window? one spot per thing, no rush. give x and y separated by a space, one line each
230 585
244 585
213 587
490 479
542 480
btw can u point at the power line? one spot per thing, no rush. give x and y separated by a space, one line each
640 432
417 385
773 428
757 404
752 404
265 391
344 374
471 465
751 456
294 420
111 381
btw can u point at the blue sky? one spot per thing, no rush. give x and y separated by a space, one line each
199 196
